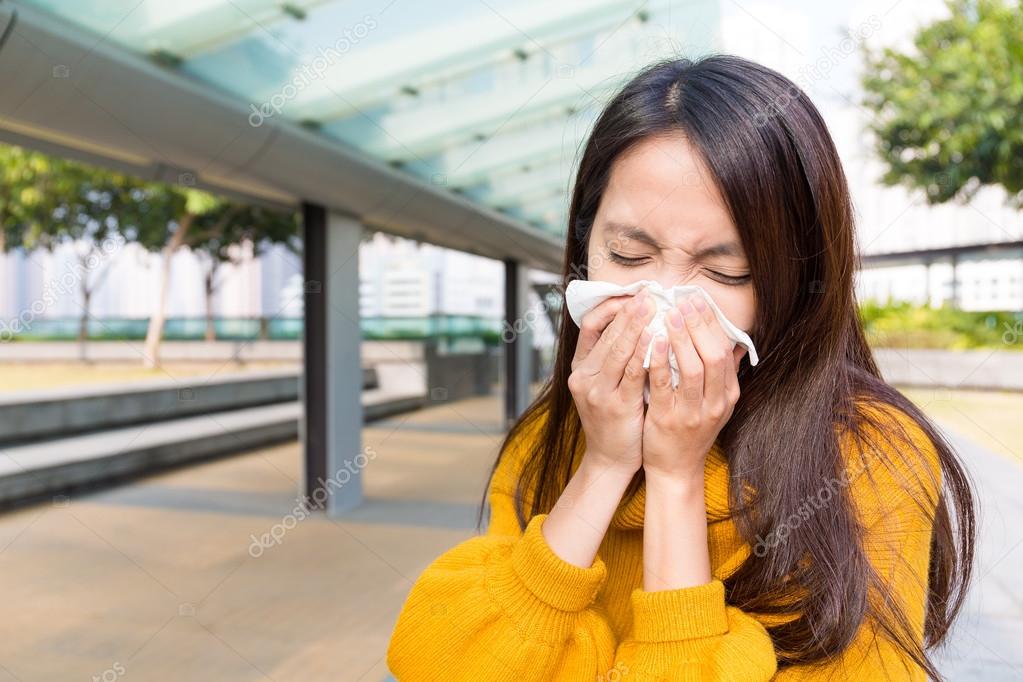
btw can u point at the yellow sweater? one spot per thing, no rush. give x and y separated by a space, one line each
503 606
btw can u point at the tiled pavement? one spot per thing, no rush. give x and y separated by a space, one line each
160 579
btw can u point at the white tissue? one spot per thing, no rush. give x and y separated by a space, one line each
582 296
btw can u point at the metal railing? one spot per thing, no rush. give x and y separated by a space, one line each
253 328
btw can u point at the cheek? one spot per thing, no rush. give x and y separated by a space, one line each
737 303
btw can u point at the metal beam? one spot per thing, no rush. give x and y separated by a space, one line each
876 260
182 28
112 107
208 26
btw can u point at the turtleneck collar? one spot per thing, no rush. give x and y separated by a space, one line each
630 513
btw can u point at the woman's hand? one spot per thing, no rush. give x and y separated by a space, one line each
681 424
607 381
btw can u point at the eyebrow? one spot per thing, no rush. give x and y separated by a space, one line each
641 235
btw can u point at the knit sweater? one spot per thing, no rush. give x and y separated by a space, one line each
504 606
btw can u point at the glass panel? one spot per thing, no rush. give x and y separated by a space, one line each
491 100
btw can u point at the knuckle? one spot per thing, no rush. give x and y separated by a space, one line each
636 327
662 423
632 370
692 374
716 358
590 327
662 380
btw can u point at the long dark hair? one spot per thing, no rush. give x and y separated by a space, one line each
778 170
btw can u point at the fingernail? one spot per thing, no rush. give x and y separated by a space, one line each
699 303
687 308
676 318
661 344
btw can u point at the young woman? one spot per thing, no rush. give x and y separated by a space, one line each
800 519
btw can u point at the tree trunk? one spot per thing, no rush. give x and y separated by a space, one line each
83 321
211 330
151 354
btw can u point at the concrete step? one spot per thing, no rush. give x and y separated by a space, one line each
62 465
60 412
63 412
67 464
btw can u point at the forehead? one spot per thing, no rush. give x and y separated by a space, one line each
663 185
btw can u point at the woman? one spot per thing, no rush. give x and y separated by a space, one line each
800 519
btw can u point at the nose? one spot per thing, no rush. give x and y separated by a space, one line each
669 278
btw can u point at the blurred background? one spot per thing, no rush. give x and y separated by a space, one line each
276 276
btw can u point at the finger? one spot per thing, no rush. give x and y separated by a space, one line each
635 374
732 378
737 352
621 349
662 395
593 325
690 366
712 344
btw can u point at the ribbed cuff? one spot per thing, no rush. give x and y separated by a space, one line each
553 580
685 613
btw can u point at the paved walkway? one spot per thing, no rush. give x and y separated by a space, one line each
988 639
159 580
155 580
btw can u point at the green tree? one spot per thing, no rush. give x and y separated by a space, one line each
47 201
97 211
949 115
23 178
218 236
185 206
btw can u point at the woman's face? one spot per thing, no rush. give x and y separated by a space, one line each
662 218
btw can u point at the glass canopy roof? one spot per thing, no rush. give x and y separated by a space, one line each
488 98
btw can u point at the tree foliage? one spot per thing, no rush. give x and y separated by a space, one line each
46 201
949 115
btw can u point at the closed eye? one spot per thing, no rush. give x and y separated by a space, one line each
625 260
721 277
728 279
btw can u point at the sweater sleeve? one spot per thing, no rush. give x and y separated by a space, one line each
503 606
691 635
895 492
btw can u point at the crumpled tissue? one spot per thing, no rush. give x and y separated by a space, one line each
583 295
